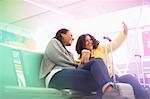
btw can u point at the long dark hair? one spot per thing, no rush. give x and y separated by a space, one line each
80 45
59 37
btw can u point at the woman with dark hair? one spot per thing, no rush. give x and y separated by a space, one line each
60 70
87 43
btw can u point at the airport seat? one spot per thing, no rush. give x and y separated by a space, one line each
7 75
31 65
9 86
7 67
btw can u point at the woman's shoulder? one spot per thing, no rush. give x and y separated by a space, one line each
100 45
53 40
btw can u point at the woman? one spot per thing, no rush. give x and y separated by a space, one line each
87 43
62 72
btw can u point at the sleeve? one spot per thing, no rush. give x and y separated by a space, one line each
117 42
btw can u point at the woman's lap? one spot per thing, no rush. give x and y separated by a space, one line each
75 79
88 78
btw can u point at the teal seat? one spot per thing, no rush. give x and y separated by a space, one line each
9 86
8 75
31 65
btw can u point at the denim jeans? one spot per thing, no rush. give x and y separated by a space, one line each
91 77
139 91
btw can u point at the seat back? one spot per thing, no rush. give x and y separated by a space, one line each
31 62
12 62
8 75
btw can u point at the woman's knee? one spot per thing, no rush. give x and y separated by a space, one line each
99 60
99 63
127 78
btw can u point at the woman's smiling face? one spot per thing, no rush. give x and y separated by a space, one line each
88 42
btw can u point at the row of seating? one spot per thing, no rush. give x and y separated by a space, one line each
19 76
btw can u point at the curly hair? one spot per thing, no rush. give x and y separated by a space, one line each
80 45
